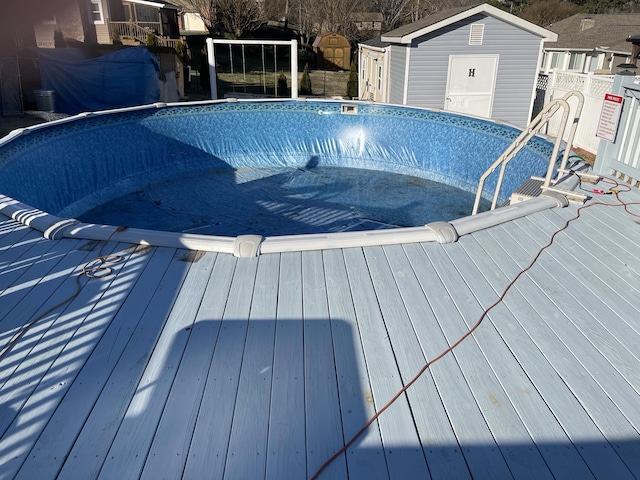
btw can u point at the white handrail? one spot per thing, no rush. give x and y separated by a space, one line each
527 134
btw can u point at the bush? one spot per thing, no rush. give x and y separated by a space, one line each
181 51
152 41
282 85
352 83
305 82
115 37
204 70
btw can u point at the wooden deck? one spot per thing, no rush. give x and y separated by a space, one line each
189 365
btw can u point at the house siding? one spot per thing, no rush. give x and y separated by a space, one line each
397 64
517 67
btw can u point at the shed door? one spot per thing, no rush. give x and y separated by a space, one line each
471 83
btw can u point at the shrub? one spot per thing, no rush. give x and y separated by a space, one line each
352 83
305 82
115 37
152 40
282 85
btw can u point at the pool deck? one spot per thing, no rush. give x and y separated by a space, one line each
202 365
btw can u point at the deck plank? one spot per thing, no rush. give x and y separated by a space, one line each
512 355
442 451
324 431
131 444
365 457
59 435
172 440
45 293
96 437
567 363
480 451
247 454
32 357
508 444
399 435
208 451
286 441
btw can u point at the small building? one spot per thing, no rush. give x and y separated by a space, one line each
373 59
333 51
479 61
590 43
367 21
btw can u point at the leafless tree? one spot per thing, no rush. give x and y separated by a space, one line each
393 11
335 15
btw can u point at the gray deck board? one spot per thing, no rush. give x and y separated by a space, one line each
60 433
130 446
90 449
247 453
210 442
324 434
286 456
201 365
440 444
365 458
512 358
399 435
572 359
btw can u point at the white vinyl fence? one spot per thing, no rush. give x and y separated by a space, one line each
593 87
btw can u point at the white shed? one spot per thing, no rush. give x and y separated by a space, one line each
478 61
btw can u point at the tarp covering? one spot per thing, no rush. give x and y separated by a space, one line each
123 78
10 102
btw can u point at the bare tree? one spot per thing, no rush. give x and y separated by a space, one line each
393 11
335 15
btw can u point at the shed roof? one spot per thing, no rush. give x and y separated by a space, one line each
375 42
595 32
444 18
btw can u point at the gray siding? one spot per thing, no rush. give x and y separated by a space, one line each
517 66
397 64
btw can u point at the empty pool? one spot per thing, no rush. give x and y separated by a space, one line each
266 168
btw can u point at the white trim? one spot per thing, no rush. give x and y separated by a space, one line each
405 93
547 35
100 10
155 4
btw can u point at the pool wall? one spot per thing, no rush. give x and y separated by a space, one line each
52 172
71 167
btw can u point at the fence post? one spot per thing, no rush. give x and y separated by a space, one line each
211 59
608 151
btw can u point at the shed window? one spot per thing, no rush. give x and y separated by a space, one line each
476 34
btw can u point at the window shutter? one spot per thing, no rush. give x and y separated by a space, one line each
476 34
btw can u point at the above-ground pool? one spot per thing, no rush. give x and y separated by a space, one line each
266 168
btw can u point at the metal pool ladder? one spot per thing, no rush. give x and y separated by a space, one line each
527 134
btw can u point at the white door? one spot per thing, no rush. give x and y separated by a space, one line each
471 82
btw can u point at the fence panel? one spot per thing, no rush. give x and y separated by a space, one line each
593 87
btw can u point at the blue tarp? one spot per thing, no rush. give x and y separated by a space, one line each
123 78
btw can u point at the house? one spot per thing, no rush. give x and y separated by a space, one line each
590 43
85 21
477 60
367 21
103 21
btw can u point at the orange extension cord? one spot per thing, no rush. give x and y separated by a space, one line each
615 190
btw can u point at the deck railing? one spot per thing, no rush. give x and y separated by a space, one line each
140 30
621 156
